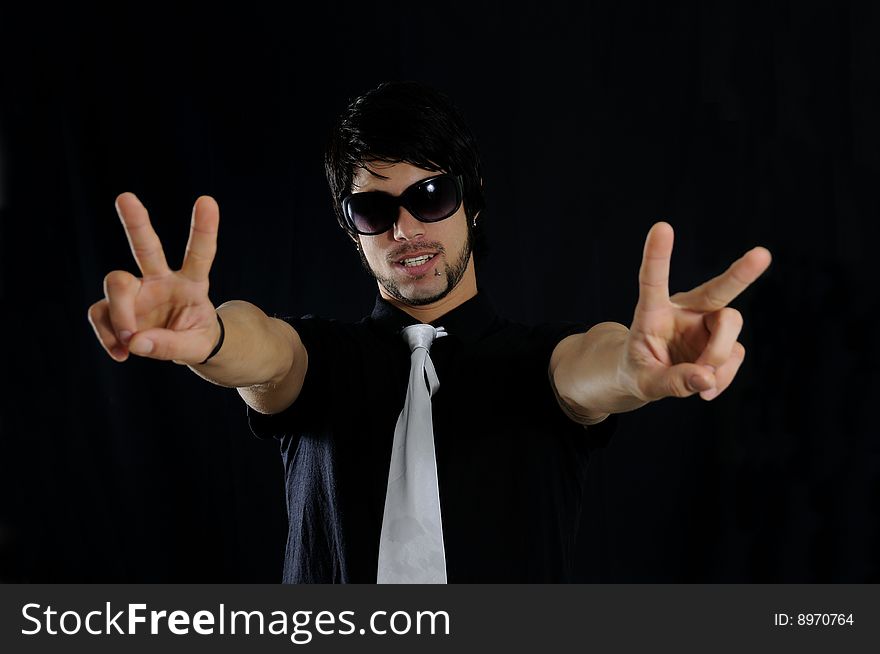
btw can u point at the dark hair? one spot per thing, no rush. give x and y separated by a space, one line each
405 122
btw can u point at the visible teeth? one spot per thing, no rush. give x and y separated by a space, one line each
417 261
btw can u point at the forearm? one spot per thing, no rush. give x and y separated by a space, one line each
256 349
586 371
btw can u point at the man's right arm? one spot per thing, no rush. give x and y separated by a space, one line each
167 315
262 357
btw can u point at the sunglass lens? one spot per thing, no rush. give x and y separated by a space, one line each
372 213
434 199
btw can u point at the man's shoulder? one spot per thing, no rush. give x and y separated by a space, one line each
541 332
318 330
320 321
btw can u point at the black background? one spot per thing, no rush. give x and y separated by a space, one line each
739 123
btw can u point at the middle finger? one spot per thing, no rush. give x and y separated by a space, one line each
142 238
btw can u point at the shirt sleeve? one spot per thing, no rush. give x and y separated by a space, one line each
310 409
548 336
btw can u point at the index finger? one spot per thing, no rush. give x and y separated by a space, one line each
145 244
202 244
654 273
720 291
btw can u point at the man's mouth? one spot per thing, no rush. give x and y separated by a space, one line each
411 262
417 264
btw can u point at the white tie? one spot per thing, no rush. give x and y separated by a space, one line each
411 543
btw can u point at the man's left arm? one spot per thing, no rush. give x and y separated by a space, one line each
676 346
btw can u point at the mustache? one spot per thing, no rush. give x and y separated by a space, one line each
421 246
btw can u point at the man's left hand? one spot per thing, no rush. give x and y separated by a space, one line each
687 343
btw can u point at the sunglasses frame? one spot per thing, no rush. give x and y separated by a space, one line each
403 201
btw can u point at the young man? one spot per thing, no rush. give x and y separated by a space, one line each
518 408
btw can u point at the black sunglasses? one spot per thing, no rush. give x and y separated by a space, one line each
429 200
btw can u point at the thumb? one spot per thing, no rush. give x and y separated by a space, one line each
190 347
682 380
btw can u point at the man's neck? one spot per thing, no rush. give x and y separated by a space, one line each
461 293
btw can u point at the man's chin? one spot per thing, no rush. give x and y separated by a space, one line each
417 297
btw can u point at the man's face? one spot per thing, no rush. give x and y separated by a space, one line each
447 243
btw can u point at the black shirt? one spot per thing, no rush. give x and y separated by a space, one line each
511 466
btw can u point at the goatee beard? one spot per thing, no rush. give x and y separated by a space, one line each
454 274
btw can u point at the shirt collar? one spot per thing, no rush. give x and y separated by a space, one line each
467 321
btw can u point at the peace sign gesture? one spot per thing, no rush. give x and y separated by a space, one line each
165 314
687 343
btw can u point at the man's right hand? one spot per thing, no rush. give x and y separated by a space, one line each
166 314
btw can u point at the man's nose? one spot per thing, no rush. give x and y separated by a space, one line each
407 226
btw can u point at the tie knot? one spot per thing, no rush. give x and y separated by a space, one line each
421 335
